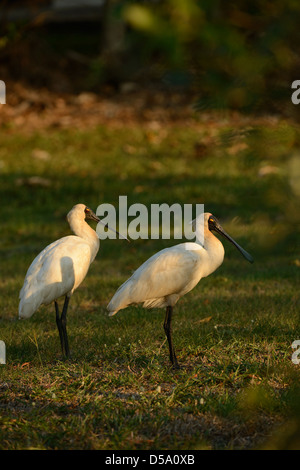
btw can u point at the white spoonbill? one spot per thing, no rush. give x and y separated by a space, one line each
60 268
172 272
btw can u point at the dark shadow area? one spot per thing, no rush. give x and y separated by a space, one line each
230 56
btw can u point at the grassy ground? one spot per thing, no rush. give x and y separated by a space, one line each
233 333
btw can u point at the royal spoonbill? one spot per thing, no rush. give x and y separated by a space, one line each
172 272
60 268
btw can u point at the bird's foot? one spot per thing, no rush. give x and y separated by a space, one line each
176 366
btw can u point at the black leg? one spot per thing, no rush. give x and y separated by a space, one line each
168 331
58 323
61 322
63 319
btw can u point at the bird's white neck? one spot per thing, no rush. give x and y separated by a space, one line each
83 230
214 251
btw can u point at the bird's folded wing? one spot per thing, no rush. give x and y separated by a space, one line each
168 272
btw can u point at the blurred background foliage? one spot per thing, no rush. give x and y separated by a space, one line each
236 55
239 56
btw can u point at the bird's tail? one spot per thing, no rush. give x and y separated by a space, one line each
120 300
26 309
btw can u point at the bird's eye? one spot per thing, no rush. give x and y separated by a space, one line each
87 210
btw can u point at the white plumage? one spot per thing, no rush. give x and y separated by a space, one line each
163 278
172 272
60 268
51 275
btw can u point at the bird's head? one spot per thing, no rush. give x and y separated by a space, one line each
214 225
81 213
90 215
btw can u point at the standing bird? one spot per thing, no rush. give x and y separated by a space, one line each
59 269
172 272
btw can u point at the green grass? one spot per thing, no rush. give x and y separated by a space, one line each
233 333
